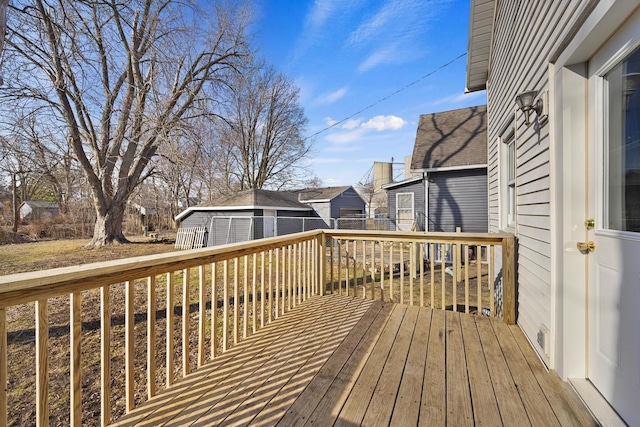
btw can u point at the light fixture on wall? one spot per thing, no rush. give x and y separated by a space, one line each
526 104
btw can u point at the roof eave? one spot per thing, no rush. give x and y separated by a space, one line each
481 22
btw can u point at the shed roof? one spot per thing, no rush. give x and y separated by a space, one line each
324 194
252 199
451 139
257 198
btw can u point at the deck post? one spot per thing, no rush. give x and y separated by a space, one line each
321 260
508 280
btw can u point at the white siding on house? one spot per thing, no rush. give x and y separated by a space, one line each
519 63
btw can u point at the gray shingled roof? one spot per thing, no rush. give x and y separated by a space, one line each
259 198
318 194
451 139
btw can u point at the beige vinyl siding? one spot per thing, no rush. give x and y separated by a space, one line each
525 35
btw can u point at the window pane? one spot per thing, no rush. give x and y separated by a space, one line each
405 201
512 161
622 198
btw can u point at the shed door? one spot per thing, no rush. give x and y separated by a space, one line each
269 222
614 204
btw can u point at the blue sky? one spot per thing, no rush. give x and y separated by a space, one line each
347 55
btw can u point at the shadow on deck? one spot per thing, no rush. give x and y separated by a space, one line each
346 361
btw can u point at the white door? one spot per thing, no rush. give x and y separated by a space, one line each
269 222
404 211
613 178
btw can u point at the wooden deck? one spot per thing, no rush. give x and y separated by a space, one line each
346 361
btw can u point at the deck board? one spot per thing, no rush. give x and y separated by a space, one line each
338 360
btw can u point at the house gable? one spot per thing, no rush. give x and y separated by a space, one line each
455 139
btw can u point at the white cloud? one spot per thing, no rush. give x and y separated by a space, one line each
382 123
352 124
329 121
332 97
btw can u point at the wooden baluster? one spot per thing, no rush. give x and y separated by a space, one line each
75 366
314 267
443 266
245 298
225 305
214 311
270 285
421 261
3 367
331 262
412 270
432 266
236 300
305 260
466 278
492 294
186 290
129 349
254 294
262 288
151 336
296 276
373 270
382 270
277 251
401 250
202 307
391 268
42 363
322 263
479 276
455 257
340 267
364 269
105 355
290 299
283 283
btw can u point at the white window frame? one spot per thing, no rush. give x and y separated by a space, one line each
508 173
398 195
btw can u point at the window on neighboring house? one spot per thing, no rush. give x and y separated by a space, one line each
404 211
508 179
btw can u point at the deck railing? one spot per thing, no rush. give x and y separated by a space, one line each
183 309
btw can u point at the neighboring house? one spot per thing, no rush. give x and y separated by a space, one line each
254 214
450 160
35 210
563 179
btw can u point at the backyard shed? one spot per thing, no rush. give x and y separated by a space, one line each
256 213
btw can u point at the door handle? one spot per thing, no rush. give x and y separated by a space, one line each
586 246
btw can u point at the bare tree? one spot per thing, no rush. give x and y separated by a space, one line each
120 77
261 139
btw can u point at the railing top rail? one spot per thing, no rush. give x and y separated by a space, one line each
420 235
30 286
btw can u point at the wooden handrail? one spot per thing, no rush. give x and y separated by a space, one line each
249 285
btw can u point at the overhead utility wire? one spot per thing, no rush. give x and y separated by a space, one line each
388 96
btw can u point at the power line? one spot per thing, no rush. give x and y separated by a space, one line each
388 96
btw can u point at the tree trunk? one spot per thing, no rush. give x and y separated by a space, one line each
108 228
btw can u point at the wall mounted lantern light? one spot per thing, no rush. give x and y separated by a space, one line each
526 104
